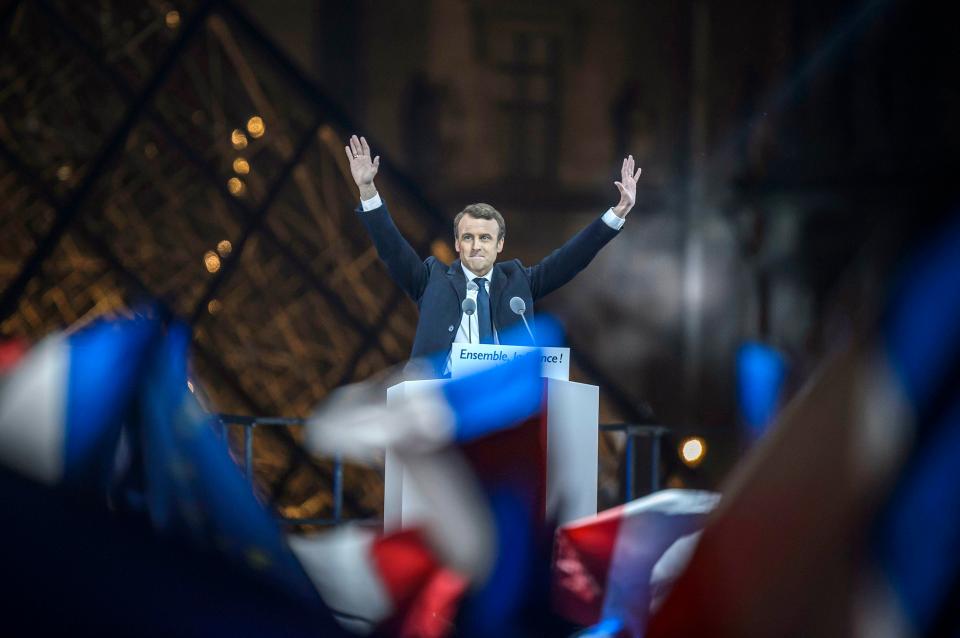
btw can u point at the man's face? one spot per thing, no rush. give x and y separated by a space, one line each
477 244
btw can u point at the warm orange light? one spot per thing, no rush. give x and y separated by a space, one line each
212 261
172 19
65 172
214 306
224 247
255 126
238 139
241 166
235 186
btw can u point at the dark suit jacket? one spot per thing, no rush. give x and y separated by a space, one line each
439 289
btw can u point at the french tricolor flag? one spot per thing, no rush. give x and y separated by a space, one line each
476 543
62 402
610 568
392 584
845 519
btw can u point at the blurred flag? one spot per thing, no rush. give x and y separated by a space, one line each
193 488
393 584
608 569
760 374
845 519
11 351
74 565
355 420
475 449
62 406
917 538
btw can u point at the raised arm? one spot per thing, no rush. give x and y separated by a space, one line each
563 264
406 268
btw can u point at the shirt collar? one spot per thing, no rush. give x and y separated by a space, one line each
470 276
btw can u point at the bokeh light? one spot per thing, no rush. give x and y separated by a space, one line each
255 126
212 261
692 451
236 186
238 139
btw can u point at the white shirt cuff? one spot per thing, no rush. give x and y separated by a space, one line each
373 202
613 220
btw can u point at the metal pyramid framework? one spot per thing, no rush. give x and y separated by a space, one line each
169 151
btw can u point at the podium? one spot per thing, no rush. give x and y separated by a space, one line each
569 426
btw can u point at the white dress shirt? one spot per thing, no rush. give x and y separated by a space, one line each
469 331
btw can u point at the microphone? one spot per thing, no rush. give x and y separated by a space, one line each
469 306
518 306
472 305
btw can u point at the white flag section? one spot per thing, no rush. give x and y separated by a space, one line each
33 412
343 569
609 569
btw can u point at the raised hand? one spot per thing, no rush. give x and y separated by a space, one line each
627 187
363 166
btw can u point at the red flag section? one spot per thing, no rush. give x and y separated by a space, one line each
782 553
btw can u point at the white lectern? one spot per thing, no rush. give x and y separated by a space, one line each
570 489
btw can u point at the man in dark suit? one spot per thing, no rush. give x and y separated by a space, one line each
479 231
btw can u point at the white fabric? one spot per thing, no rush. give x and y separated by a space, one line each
33 412
356 423
455 516
613 220
670 566
468 333
373 202
341 567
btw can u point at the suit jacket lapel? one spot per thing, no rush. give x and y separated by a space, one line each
498 287
457 280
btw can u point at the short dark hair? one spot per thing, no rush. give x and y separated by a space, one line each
481 211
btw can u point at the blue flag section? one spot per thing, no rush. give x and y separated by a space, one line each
918 536
496 398
922 324
760 374
194 490
105 367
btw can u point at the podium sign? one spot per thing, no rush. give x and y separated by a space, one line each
467 358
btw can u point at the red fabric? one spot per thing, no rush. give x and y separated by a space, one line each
11 351
432 612
404 563
425 594
583 552
518 457
781 553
